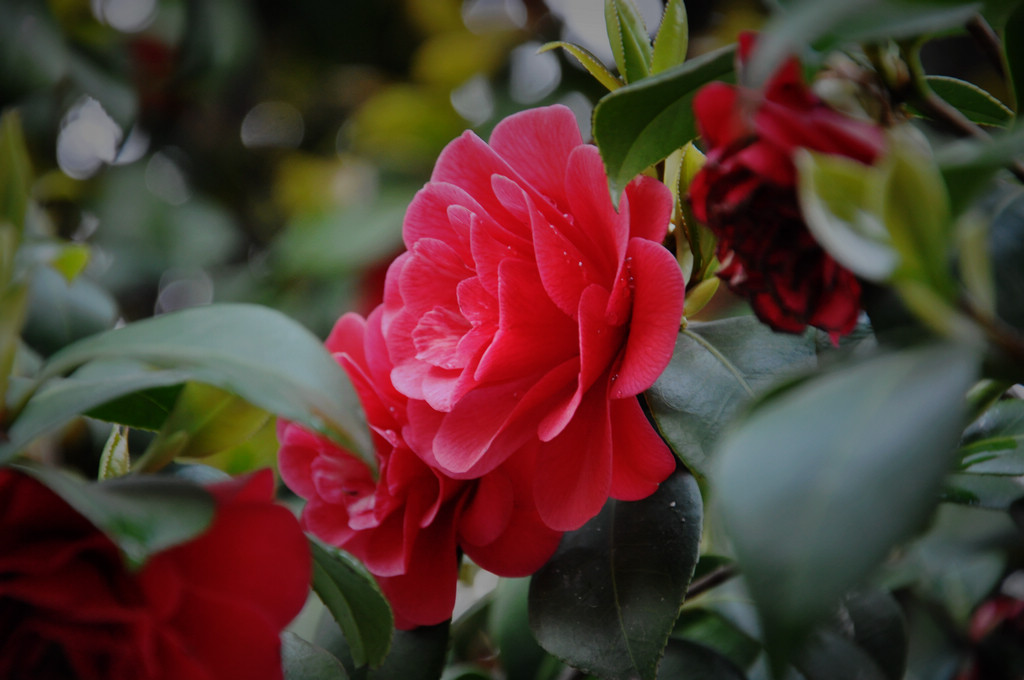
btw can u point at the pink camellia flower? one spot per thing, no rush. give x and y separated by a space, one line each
527 314
409 522
746 193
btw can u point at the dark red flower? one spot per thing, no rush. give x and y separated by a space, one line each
746 193
407 521
209 609
527 313
996 635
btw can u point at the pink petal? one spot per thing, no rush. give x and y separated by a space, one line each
492 421
657 312
574 470
533 334
650 208
562 266
641 458
537 143
468 163
429 215
596 229
487 515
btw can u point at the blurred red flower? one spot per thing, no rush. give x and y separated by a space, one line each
408 522
209 609
527 314
746 193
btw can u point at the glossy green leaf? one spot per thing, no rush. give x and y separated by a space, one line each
642 123
205 420
61 400
15 172
994 444
356 603
712 630
255 352
673 37
839 199
302 660
629 39
684 659
608 598
508 624
145 409
957 563
830 24
717 367
590 62
992 492
142 515
417 654
831 656
874 621
975 103
115 460
813 486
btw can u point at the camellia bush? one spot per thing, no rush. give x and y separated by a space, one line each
730 391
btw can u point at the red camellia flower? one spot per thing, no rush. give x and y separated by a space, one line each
209 609
746 193
408 522
527 314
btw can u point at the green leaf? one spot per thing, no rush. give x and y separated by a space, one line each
642 123
829 24
629 39
356 603
967 166
69 259
15 173
205 420
255 352
115 461
812 486
302 660
608 598
831 656
417 654
692 661
145 409
876 622
716 368
61 400
591 63
994 444
714 631
508 623
673 37
975 103
142 515
992 492
839 202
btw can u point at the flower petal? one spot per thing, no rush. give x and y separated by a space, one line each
641 458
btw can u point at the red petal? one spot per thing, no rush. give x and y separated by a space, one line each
574 470
596 229
654 325
487 515
650 208
641 458
537 143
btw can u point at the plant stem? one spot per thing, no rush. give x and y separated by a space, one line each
712 579
989 42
